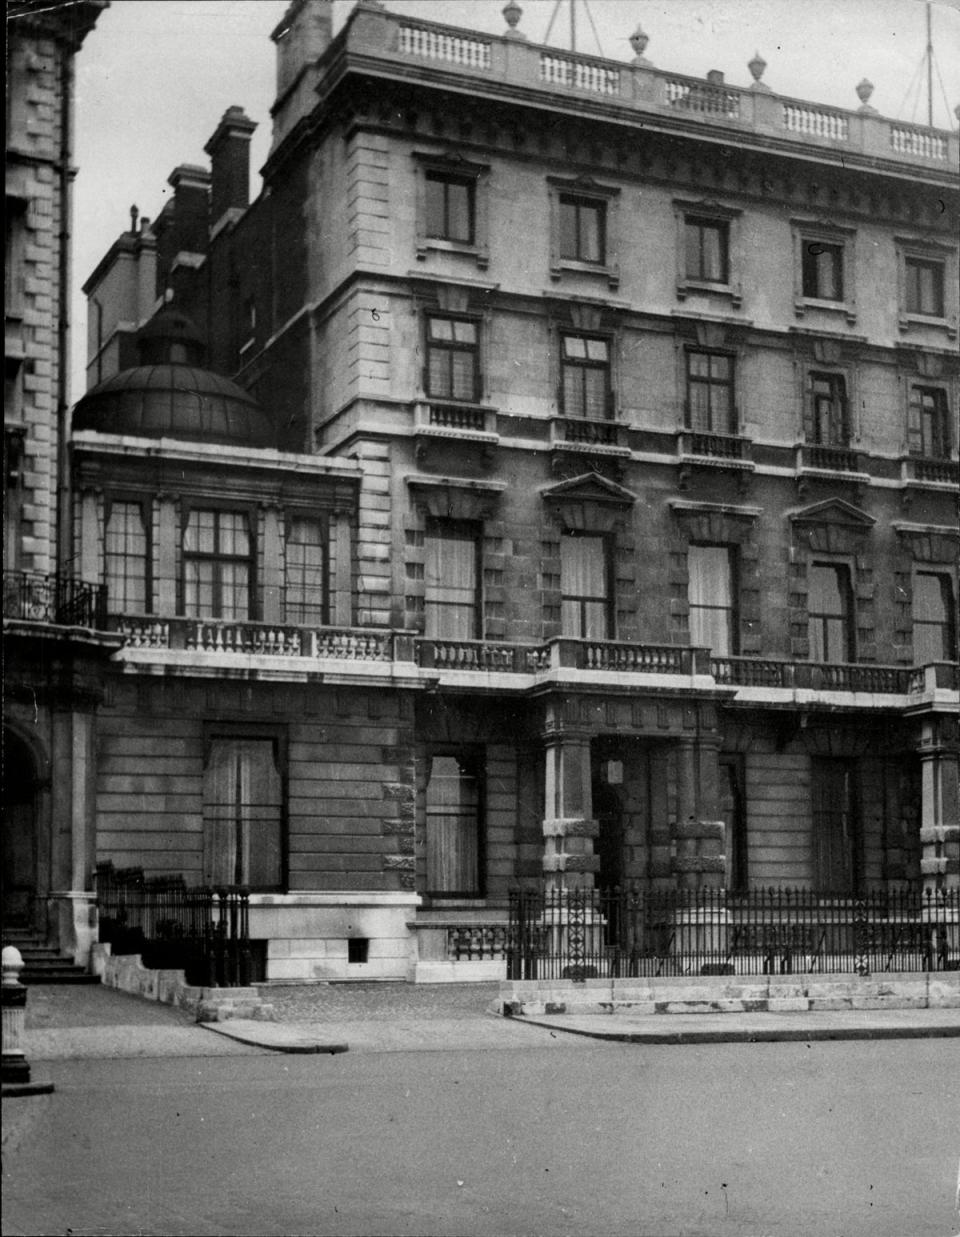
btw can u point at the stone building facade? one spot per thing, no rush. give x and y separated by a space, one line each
606 529
53 652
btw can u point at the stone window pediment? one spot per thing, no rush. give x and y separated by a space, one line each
590 502
834 511
832 527
456 498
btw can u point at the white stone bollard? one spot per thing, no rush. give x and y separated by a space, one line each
13 994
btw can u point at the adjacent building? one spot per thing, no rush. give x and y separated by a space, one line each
552 475
55 642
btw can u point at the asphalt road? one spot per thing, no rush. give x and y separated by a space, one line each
783 1140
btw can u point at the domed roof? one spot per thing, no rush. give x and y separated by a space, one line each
169 395
175 401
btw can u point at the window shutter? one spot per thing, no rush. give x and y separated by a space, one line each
914 423
809 421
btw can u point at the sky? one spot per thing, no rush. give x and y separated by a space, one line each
155 76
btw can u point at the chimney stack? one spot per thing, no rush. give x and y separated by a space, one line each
301 38
229 151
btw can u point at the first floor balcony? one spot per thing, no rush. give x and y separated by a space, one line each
53 600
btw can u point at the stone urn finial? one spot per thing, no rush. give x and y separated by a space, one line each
638 41
864 91
956 112
512 13
757 67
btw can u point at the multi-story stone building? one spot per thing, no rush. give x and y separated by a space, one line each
52 655
600 487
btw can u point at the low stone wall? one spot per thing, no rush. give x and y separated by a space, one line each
127 973
747 994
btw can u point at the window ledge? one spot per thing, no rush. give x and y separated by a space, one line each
571 266
846 308
705 287
910 322
438 244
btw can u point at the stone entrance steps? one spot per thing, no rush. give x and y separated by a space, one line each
43 964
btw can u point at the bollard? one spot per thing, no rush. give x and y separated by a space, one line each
14 999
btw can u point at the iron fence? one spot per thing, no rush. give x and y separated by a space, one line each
200 930
632 932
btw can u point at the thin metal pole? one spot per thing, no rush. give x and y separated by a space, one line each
573 25
929 69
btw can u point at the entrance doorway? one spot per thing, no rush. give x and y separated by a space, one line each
836 825
20 877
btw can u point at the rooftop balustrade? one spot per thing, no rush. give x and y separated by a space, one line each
641 88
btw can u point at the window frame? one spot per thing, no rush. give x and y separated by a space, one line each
468 530
731 384
452 168
709 213
918 438
609 404
476 349
606 198
700 224
812 421
145 507
911 250
253 732
220 508
472 755
947 625
807 232
585 599
322 521
580 203
732 611
846 616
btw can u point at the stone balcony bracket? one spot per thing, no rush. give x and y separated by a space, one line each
571 863
571 827
940 835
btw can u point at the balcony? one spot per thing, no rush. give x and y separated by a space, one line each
224 637
811 676
57 600
922 473
728 452
588 437
831 463
490 63
437 421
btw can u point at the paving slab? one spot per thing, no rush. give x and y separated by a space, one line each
139 1040
751 1028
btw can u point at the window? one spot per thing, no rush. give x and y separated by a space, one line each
450 206
934 627
217 565
584 586
924 287
710 406
453 813
822 270
125 559
712 597
306 597
586 377
830 609
453 358
828 398
451 595
929 429
582 229
243 813
707 250
836 825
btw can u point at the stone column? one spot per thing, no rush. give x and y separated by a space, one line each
698 857
342 604
939 750
74 829
165 558
90 537
568 824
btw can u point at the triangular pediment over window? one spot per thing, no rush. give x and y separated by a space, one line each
833 511
591 503
591 487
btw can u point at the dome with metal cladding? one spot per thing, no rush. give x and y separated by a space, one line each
171 396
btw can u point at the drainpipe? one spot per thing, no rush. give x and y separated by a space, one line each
64 536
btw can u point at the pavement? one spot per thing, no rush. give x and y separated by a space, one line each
89 1021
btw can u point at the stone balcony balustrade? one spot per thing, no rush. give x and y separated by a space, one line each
640 89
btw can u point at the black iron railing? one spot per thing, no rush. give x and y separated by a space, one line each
587 933
36 598
200 930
